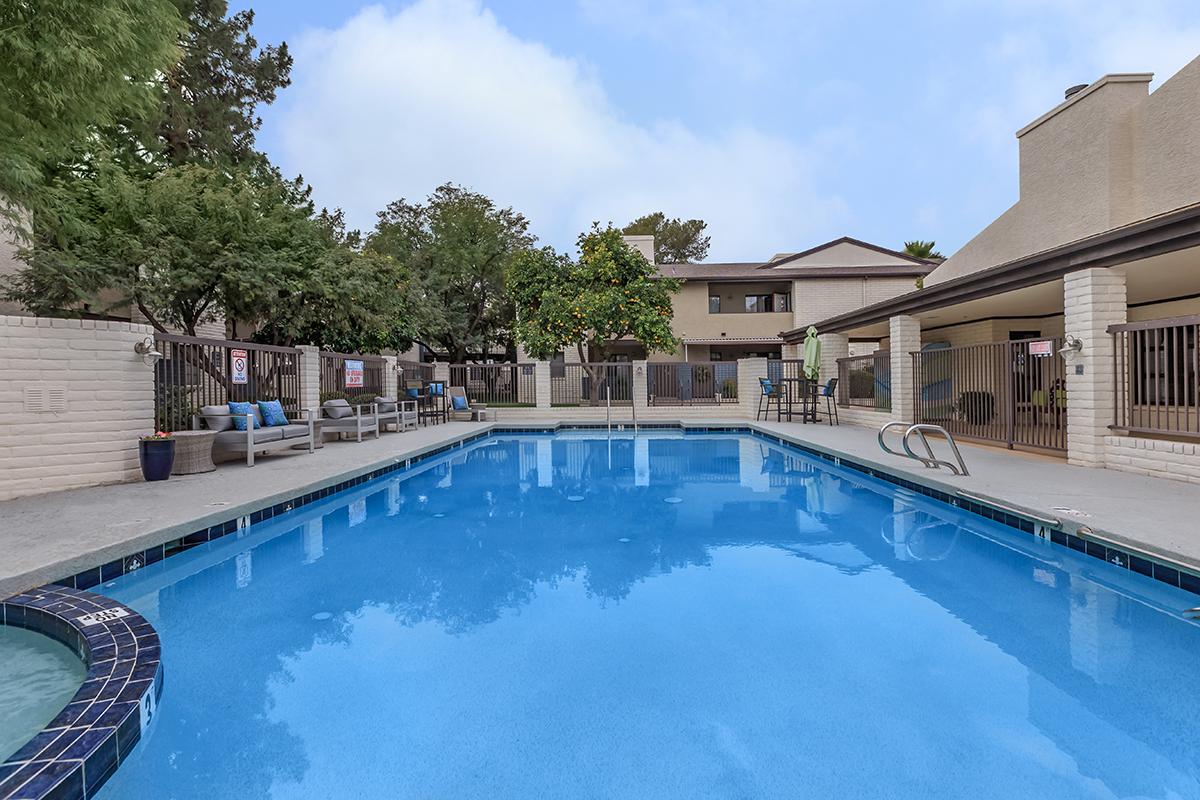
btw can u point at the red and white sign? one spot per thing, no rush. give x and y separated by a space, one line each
239 366
354 374
1044 347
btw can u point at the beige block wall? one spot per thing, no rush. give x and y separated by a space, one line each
1159 458
1166 139
820 298
109 402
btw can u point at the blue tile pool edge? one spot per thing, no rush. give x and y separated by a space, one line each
85 742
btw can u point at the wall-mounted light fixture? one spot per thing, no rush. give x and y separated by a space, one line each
150 355
1071 346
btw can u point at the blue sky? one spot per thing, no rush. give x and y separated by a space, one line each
783 124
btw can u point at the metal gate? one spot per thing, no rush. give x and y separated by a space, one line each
1009 392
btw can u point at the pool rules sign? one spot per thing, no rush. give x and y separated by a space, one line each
354 374
238 366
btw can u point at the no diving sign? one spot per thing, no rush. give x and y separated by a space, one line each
354 373
238 360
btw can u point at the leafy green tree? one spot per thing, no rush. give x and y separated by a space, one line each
69 67
186 246
610 293
207 104
922 249
457 246
676 241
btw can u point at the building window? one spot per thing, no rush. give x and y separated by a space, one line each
767 303
714 304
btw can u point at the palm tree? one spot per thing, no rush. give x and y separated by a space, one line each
922 249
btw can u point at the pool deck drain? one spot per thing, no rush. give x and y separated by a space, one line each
49 536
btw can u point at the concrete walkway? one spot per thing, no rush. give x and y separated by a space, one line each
49 536
1158 516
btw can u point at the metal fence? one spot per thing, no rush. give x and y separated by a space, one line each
1157 375
356 378
692 383
865 381
199 372
1008 392
413 371
496 384
778 368
588 385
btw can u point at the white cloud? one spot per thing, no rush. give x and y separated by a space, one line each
390 105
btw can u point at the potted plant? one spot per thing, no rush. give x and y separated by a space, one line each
156 453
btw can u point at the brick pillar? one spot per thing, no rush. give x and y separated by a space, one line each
833 347
791 351
390 386
1093 299
749 391
541 380
441 372
905 335
310 376
641 399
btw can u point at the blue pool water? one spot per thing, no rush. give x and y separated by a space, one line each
785 629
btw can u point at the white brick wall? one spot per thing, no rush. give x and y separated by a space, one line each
833 347
310 376
109 395
541 378
904 338
1093 299
1178 461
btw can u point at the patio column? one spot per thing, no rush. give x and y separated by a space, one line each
1093 299
310 376
641 399
749 371
441 372
541 384
833 347
390 387
791 351
904 333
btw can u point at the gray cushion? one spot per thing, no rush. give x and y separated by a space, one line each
217 423
293 431
385 405
261 435
337 409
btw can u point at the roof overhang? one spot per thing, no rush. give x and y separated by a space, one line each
735 340
1166 233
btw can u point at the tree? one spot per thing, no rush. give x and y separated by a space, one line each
206 108
457 246
69 67
676 241
185 246
922 249
610 293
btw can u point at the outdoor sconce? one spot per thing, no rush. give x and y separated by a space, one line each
1071 346
640 370
145 349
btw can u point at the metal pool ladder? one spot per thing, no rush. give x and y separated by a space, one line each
929 460
608 411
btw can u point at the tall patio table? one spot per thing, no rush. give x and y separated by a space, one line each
803 391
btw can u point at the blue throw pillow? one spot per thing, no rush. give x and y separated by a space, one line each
437 389
272 413
767 387
413 393
240 410
459 403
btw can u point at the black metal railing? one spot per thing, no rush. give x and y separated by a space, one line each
413 371
496 384
198 372
1008 392
350 376
692 383
1156 367
865 381
593 385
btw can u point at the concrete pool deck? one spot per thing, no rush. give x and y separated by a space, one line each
47 537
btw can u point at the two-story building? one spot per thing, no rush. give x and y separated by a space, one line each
727 311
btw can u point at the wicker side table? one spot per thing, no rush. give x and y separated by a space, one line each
193 452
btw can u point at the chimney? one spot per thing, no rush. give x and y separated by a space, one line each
644 243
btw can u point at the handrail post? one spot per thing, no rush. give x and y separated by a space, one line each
608 406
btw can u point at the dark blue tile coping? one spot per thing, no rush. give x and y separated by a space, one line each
82 746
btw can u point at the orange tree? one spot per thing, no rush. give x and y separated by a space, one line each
610 293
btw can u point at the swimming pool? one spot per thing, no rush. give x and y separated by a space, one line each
38 676
671 615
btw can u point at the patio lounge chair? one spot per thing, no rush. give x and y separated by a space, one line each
401 413
338 416
461 408
230 441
